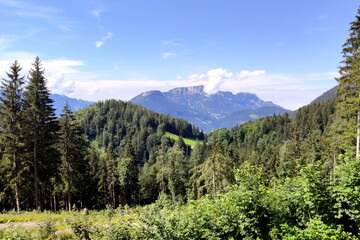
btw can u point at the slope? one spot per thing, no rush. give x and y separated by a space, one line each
202 109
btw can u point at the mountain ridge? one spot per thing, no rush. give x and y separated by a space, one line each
203 109
75 104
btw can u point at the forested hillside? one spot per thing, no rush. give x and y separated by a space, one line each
279 177
92 161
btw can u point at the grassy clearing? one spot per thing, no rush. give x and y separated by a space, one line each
188 141
253 116
12 217
72 225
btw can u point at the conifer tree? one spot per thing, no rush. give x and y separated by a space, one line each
12 124
111 177
41 123
214 175
349 82
129 175
71 149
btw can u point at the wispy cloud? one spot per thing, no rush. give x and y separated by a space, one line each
5 42
167 55
288 90
65 27
26 10
97 12
173 43
100 43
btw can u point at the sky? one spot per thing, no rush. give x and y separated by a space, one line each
285 51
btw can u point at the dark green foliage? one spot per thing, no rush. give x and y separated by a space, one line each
47 230
275 178
71 147
40 133
349 85
117 122
128 171
12 120
328 95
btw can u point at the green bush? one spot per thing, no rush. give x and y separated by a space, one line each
47 230
315 229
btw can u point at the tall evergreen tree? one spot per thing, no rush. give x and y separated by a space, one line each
111 176
72 153
349 81
213 175
129 175
12 124
41 121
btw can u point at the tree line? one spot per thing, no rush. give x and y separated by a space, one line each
115 153
93 160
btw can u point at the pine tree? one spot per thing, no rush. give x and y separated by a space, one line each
214 175
41 123
129 175
12 124
111 176
349 81
71 148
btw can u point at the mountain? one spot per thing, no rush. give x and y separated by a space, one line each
241 117
329 94
74 103
208 111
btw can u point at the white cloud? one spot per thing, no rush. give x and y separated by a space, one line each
100 43
65 27
58 72
289 91
173 43
98 12
64 77
166 55
214 78
26 10
93 90
5 42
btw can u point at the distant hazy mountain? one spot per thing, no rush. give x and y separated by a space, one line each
208 112
75 104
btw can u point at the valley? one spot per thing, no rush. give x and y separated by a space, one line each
192 163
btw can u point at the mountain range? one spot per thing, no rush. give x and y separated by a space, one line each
74 103
208 111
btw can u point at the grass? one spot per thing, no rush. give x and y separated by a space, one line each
253 116
33 216
31 225
188 141
217 115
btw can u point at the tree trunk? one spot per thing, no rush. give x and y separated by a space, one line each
36 174
213 182
69 185
55 205
17 196
358 135
69 200
16 184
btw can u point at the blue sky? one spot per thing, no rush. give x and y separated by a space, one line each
285 51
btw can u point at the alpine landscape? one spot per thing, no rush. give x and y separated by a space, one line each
180 120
